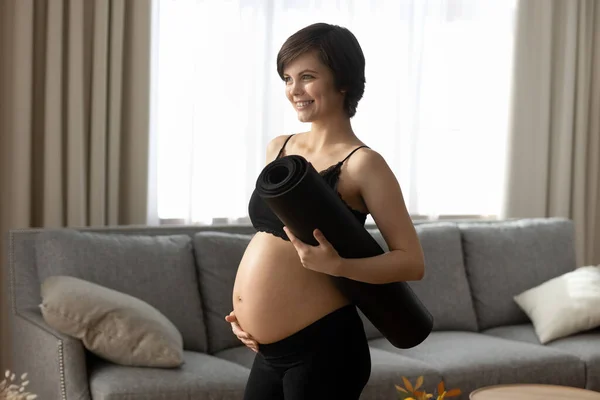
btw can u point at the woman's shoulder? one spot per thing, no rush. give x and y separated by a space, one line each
277 143
362 154
366 162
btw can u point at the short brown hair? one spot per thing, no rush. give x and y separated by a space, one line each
338 49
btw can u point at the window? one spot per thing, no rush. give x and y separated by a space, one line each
435 106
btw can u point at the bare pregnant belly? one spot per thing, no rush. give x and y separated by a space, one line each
274 296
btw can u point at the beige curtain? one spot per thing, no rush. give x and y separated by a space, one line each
74 116
554 149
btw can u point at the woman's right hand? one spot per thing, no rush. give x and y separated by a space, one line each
243 336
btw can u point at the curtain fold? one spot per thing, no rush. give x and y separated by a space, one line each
74 117
554 146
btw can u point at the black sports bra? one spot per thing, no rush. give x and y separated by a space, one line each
264 220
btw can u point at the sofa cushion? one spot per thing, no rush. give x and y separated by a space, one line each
444 290
505 258
110 324
218 256
585 345
201 377
158 270
564 305
469 360
387 370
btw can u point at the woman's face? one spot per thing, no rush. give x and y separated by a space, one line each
309 86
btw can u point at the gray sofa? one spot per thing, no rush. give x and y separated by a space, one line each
473 269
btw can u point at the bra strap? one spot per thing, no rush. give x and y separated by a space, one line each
353 151
283 147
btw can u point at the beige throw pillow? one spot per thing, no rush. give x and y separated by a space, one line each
564 305
113 325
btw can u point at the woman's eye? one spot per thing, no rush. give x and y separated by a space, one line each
288 79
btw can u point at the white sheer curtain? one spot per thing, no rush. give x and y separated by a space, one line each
435 106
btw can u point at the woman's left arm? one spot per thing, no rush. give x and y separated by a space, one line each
383 197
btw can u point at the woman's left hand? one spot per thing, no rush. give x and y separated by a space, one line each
322 258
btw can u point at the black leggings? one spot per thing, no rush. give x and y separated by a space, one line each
328 359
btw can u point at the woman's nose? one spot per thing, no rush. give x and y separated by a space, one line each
296 89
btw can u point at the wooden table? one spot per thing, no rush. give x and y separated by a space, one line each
533 392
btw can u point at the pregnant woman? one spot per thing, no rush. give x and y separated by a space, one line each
309 338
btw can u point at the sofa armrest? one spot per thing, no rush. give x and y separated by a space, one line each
55 363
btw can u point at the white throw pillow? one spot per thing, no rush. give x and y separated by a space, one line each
564 305
113 325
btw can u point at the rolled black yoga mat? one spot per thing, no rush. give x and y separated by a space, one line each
303 201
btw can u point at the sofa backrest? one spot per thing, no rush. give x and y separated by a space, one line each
473 269
155 264
505 258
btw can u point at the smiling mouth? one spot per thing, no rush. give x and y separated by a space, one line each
303 104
